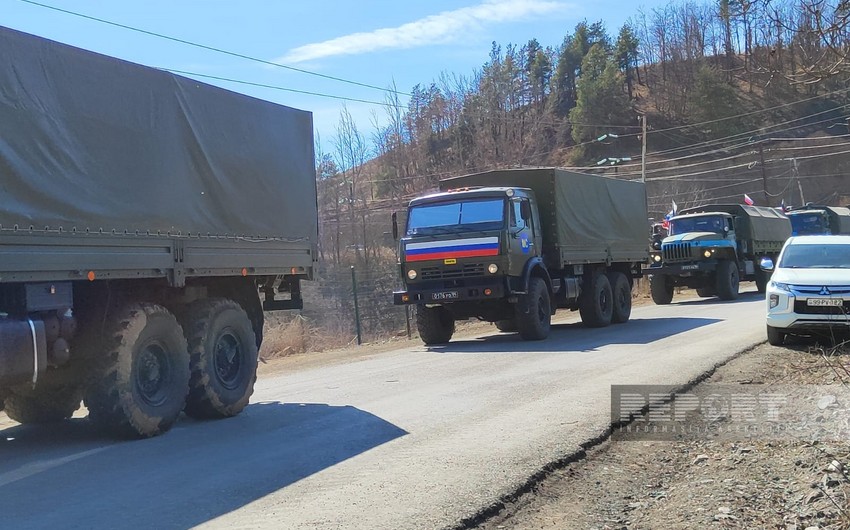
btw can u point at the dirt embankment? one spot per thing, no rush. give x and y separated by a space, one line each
709 483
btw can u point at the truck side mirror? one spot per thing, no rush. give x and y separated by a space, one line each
395 226
525 210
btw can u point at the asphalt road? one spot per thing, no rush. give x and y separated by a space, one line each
412 438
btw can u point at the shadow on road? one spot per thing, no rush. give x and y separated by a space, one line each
67 476
575 337
747 296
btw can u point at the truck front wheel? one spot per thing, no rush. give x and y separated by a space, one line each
534 311
143 378
622 292
435 324
223 358
727 280
44 404
597 302
660 289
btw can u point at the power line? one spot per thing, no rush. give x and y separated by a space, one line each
210 48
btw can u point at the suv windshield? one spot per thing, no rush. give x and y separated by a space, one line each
708 223
487 214
807 223
815 257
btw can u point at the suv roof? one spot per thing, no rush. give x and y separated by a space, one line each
819 240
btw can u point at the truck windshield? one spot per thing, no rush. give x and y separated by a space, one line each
807 223
816 257
708 223
448 216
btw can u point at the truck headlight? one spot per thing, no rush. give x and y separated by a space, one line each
492 268
411 274
707 253
773 300
657 258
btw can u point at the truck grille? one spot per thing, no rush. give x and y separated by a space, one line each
676 252
801 308
467 270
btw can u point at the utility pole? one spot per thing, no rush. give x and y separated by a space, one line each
643 149
799 185
763 174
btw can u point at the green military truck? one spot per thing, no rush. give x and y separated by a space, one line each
147 222
512 246
712 248
813 219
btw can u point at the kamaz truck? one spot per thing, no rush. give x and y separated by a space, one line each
147 222
712 248
813 219
513 246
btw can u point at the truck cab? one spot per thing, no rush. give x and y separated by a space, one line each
701 236
468 245
819 220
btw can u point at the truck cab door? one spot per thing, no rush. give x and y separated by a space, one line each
522 238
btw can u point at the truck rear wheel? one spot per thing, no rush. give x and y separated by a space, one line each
222 358
661 289
597 302
727 280
534 311
435 324
508 325
622 293
142 383
44 404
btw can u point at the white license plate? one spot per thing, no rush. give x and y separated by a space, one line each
821 302
445 295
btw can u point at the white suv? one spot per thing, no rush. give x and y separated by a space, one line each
809 291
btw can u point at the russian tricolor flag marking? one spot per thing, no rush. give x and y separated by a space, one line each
453 248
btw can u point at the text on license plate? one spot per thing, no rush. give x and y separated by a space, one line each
444 295
820 302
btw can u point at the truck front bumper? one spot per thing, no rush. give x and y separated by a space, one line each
488 291
684 269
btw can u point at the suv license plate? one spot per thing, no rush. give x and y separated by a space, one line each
821 302
445 295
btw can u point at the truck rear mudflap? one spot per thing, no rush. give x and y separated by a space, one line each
490 291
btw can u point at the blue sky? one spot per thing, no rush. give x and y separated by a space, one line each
374 42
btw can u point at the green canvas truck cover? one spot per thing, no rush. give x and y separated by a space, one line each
586 218
766 229
96 143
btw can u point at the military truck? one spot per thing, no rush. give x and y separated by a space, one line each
512 246
147 222
813 219
712 248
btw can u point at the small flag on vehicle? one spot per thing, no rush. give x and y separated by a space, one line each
748 200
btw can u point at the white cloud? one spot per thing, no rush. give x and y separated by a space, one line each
443 28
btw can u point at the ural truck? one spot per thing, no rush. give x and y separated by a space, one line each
712 248
814 219
147 222
512 246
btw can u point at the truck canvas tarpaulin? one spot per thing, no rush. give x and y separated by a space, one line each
586 218
96 143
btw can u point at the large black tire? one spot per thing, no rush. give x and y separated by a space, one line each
44 404
775 337
621 290
660 289
508 325
596 306
534 311
727 280
762 277
435 324
143 378
222 358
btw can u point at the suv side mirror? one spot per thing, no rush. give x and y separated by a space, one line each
766 264
395 226
525 210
